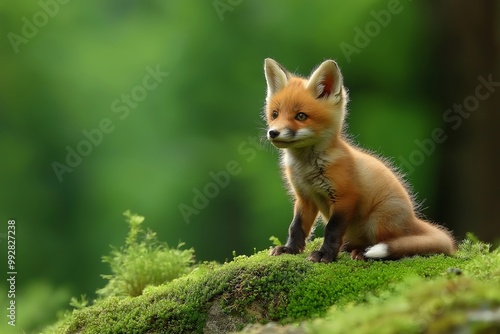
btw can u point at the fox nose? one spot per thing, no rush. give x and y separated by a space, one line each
273 133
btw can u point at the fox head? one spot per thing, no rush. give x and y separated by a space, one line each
304 112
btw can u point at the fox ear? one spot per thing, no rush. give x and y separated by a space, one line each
276 76
326 80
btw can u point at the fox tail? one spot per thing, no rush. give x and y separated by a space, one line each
432 240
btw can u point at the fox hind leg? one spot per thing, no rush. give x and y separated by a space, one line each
358 254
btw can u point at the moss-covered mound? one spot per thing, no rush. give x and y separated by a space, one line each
288 289
465 301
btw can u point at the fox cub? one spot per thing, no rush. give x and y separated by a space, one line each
366 206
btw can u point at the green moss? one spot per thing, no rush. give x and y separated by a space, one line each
287 289
467 303
466 300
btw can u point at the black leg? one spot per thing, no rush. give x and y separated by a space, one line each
334 232
296 239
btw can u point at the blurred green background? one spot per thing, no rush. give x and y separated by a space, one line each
66 67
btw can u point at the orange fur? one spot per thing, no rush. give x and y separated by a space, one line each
360 196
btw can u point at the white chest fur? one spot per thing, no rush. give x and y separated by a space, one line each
306 174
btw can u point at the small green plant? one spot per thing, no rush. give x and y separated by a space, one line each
143 261
79 303
275 241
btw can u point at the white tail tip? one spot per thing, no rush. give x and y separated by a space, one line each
378 251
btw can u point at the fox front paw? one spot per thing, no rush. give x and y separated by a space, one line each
318 256
278 250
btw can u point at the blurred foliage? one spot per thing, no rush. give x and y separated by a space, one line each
37 305
80 67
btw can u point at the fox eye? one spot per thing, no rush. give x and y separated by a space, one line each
301 116
274 114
